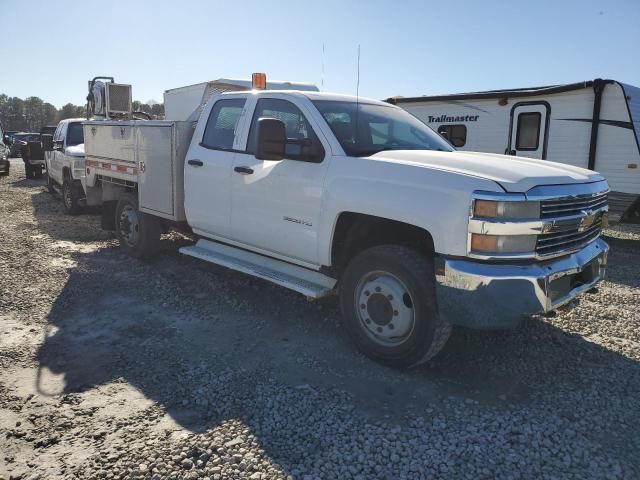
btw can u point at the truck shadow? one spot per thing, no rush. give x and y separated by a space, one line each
208 345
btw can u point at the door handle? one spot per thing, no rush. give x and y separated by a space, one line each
243 170
195 163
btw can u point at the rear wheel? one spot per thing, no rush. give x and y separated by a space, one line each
137 232
28 170
388 301
72 197
37 171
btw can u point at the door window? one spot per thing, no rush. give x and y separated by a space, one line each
221 126
75 134
456 134
297 128
528 131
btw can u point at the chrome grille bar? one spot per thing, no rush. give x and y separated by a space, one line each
571 206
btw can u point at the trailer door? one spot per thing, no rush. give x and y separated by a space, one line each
528 132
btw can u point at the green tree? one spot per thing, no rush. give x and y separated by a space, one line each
68 111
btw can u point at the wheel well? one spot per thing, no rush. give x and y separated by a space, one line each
355 232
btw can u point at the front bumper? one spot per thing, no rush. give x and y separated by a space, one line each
490 295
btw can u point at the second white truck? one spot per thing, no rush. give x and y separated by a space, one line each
325 193
64 157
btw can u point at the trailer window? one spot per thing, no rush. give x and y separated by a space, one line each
528 133
223 119
456 134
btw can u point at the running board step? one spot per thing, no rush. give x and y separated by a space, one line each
302 280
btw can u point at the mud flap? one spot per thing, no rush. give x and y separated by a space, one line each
108 219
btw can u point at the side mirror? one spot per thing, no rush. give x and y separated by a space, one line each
58 145
272 138
47 142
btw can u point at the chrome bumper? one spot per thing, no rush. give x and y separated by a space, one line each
489 295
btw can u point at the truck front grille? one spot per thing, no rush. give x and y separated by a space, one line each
573 206
577 221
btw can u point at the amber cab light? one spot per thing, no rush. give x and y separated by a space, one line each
259 81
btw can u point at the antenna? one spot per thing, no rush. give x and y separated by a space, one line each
358 76
322 63
355 132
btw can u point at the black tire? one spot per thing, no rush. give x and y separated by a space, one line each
72 196
50 187
371 327
137 232
37 171
28 170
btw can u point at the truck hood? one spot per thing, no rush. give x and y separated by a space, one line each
75 150
514 174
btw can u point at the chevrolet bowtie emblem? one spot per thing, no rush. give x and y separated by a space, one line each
587 220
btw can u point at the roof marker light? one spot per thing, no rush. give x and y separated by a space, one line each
259 81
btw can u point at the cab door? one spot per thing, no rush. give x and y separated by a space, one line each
208 164
528 132
55 157
276 204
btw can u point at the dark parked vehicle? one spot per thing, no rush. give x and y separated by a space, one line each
4 154
33 153
20 140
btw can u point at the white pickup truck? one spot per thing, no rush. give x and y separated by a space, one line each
326 193
64 157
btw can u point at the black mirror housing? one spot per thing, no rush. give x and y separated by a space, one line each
47 142
272 139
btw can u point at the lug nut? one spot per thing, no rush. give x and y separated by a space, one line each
395 313
367 293
367 320
378 289
390 297
391 327
379 329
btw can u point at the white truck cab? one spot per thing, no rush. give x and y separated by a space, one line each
327 193
65 164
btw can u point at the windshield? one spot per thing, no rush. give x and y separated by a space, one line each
75 134
26 137
376 128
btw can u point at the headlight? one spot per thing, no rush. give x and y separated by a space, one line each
506 209
502 243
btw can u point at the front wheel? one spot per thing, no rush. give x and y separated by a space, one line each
72 196
388 302
137 232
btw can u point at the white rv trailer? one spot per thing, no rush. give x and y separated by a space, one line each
593 124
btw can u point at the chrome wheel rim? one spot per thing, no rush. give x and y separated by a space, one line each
129 226
384 308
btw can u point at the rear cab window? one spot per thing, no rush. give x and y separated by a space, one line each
220 131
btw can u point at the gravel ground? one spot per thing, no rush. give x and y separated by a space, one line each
115 368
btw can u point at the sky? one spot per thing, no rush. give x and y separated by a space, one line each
51 49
